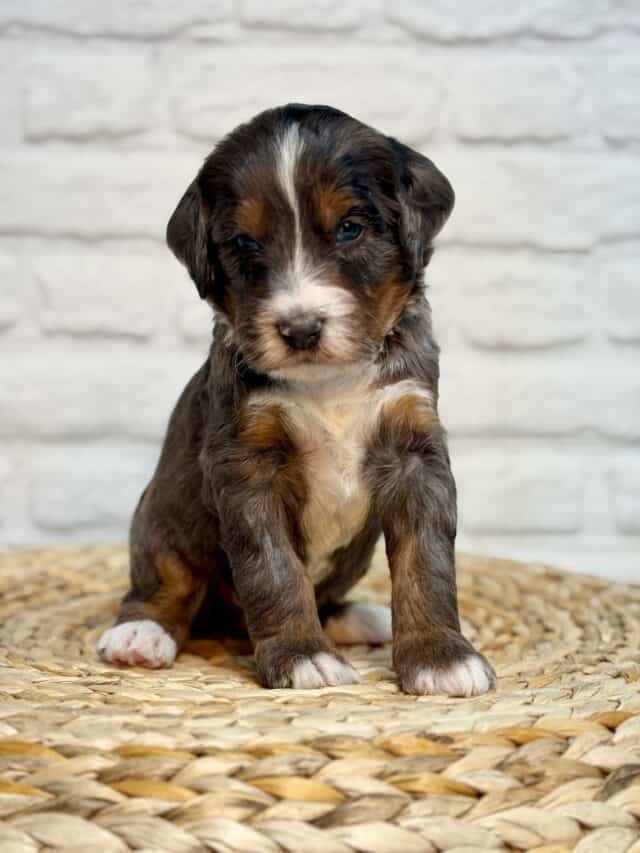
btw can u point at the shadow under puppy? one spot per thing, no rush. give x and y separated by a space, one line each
312 427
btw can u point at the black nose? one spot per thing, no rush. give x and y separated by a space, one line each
300 332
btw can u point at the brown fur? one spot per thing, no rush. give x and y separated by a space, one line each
217 539
251 217
264 428
175 601
331 203
391 300
409 415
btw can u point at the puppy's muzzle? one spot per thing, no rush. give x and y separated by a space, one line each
301 332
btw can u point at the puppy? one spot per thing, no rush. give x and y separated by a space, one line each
312 428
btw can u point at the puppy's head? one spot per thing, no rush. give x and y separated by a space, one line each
309 231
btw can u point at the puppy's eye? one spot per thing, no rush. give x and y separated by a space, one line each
246 243
348 230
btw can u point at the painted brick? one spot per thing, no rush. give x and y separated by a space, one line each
619 276
195 322
104 290
7 475
617 406
12 61
92 486
514 492
551 200
301 15
128 18
77 392
492 396
517 97
573 19
15 283
488 394
614 85
625 487
610 556
628 15
488 19
348 77
511 299
548 199
194 317
98 194
79 92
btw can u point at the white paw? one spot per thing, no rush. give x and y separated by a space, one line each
468 677
139 643
360 623
322 670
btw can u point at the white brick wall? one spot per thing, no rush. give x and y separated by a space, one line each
531 107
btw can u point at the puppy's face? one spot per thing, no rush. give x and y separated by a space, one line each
309 231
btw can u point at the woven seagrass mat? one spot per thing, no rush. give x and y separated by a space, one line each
198 757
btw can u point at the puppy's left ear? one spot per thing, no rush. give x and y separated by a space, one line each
188 238
426 199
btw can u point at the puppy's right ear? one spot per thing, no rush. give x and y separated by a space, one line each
188 239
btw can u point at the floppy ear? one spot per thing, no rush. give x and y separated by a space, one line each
188 239
426 199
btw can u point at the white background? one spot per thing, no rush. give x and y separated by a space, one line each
531 107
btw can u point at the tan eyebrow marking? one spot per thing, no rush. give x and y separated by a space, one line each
331 202
250 217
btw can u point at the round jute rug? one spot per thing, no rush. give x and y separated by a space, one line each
199 757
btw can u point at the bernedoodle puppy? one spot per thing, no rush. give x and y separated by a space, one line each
312 428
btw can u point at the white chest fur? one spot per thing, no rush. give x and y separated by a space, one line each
334 444
333 421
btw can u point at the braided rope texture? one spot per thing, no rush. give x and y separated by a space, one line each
200 758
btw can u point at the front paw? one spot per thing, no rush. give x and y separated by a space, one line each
138 643
301 666
447 666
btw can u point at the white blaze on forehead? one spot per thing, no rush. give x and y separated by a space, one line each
289 150
302 286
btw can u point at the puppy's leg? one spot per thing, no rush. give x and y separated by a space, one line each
259 486
279 604
156 614
416 497
351 622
